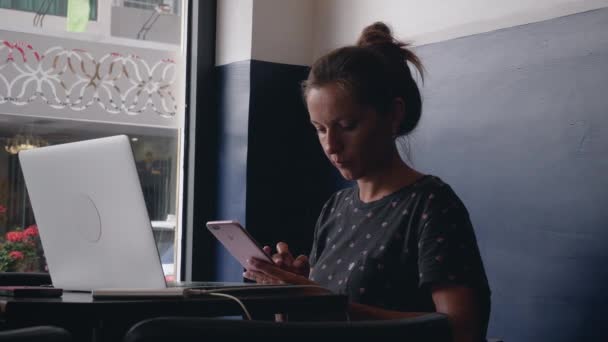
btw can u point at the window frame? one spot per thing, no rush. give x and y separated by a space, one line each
201 141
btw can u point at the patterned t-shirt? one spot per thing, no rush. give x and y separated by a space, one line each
387 252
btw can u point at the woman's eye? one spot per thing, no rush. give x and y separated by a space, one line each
348 126
320 130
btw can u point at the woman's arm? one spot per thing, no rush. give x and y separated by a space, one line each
450 265
461 305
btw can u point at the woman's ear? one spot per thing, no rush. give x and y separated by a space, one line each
397 115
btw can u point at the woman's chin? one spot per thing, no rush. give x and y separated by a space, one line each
347 175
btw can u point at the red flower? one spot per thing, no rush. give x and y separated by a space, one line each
15 236
16 255
31 231
2 209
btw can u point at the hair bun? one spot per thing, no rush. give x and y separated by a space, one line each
374 34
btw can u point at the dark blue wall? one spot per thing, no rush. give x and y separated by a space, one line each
288 176
517 121
273 176
233 86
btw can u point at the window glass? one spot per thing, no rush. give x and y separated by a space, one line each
48 7
151 20
155 155
56 89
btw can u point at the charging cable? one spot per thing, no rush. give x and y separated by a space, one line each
217 294
220 292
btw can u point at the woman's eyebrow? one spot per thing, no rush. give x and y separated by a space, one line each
332 121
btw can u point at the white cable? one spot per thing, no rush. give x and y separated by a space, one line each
220 292
233 298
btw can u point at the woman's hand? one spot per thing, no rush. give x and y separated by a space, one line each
284 259
285 270
264 272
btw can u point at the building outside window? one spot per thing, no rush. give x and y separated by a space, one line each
48 7
58 87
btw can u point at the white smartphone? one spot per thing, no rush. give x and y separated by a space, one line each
237 241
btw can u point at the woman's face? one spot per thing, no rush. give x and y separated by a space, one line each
356 139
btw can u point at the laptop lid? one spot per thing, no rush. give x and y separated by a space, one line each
90 210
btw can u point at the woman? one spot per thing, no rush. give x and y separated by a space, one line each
398 242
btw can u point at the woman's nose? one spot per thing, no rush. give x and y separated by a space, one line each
332 143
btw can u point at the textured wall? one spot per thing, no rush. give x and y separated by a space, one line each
516 120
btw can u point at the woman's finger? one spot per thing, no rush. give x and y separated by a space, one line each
285 254
249 275
261 278
301 264
273 271
278 259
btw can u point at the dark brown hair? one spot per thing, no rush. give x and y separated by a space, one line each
374 72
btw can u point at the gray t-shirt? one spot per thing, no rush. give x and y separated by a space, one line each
388 252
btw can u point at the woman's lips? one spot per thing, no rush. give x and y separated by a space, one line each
340 163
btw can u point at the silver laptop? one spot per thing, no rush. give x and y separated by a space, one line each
90 210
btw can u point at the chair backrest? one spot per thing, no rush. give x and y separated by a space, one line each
36 334
433 327
24 278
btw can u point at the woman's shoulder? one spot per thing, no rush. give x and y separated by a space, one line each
428 183
436 192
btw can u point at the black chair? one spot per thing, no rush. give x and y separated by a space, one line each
24 278
36 334
433 327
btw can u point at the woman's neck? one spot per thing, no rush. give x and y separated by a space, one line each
386 180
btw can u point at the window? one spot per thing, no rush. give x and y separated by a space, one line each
172 6
56 90
155 156
153 20
48 7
